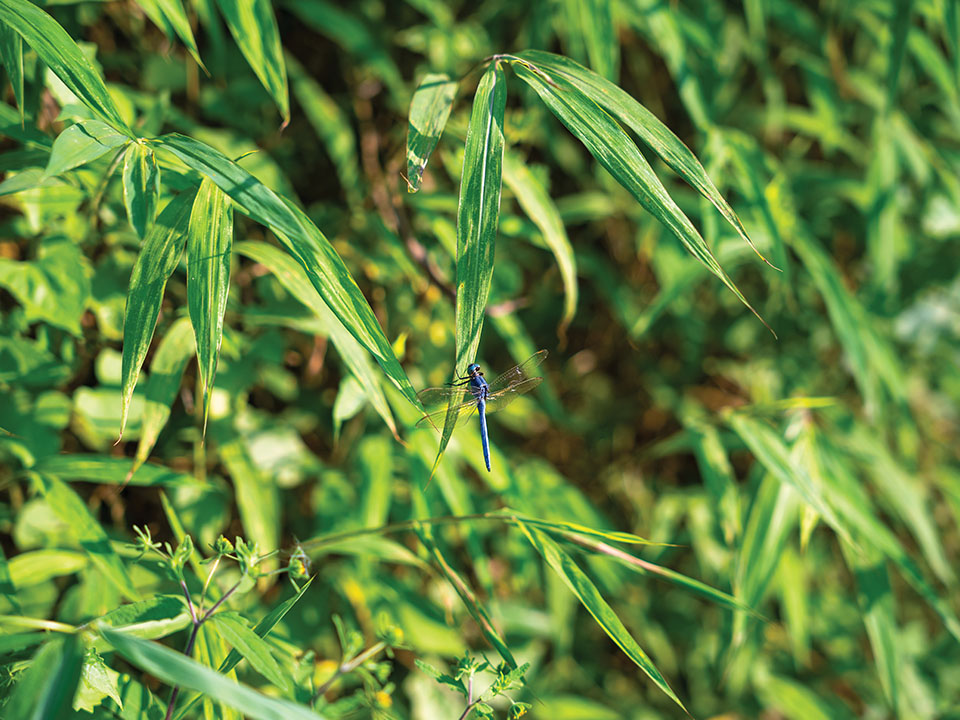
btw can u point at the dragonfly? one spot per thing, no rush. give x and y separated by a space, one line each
472 393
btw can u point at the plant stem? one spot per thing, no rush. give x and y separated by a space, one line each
349 666
470 701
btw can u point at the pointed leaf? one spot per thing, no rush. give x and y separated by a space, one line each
159 257
62 55
209 241
170 16
11 55
429 110
80 144
141 186
234 629
254 28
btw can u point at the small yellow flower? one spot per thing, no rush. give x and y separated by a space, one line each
383 699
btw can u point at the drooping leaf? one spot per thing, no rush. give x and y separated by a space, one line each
158 258
209 243
429 110
141 186
254 28
61 54
82 143
170 16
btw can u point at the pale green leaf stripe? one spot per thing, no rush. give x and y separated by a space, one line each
166 370
170 17
234 629
158 258
254 28
209 241
429 110
141 186
11 55
477 219
539 207
325 268
70 509
581 586
770 450
262 629
46 688
61 54
256 495
80 144
174 668
295 280
110 470
648 127
611 146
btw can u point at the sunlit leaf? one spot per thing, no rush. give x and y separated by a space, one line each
141 186
171 17
429 110
45 690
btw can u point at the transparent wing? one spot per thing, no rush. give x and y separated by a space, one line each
518 373
436 419
498 401
443 396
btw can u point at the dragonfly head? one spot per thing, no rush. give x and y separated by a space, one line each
473 369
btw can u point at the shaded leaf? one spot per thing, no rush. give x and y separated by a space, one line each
11 55
45 690
429 110
170 16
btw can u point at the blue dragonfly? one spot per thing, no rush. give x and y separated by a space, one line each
473 393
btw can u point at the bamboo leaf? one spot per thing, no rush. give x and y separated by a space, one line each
157 260
209 241
295 280
141 186
611 146
304 241
536 203
11 55
581 586
61 54
82 143
234 629
254 28
166 370
429 110
70 510
174 668
170 17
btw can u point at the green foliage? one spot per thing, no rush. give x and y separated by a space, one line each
687 515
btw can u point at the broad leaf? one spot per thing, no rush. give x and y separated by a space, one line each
82 143
234 629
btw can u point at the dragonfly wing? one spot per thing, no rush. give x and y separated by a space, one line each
498 401
519 372
438 418
442 396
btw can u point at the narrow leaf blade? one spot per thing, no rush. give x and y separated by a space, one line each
429 110
141 186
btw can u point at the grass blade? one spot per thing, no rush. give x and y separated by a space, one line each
254 28
11 56
581 586
71 511
256 495
169 16
110 471
592 22
611 146
80 144
166 371
157 260
304 241
45 690
174 668
295 280
141 186
539 207
429 110
209 240
62 55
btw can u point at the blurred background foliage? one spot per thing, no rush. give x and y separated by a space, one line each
814 476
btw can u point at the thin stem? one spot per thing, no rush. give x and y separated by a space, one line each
349 666
188 651
95 203
186 593
470 701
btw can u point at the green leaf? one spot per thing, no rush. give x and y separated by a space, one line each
234 629
429 110
648 127
592 22
45 690
170 17
536 203
141 186
209 241
71 511
166 370
254 28
611 146
304 241
174 668
61 54
158 258
256 495
477 219
295 280
110 470
96 683
35 567
11 55
581 586
157 617
6 582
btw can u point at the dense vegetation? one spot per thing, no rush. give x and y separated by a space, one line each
241 235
